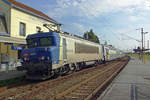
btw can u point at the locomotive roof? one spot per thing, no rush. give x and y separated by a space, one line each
77 37
45 34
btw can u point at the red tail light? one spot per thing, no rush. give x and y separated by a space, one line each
28 59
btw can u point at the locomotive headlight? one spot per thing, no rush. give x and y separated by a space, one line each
41 58
47 58
26 59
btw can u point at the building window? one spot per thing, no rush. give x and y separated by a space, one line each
3 26
22 29
38 29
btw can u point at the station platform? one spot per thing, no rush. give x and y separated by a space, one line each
11 74
132 83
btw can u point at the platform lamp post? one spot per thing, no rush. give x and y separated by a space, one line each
148 46
141 52
144 47
143 43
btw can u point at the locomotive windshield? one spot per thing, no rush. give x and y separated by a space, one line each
46 41
39 42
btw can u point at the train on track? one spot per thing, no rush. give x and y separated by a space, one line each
53 53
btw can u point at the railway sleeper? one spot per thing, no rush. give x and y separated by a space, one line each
74 97
79 94
87 88
95 82
82 91
90 86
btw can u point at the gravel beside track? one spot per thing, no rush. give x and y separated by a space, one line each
52 88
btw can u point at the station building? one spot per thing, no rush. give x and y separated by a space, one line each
16 22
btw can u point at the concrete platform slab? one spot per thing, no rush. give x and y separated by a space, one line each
11 74
133 83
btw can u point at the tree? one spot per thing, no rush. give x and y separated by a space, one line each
91 36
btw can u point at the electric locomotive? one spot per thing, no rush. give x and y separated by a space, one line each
57 53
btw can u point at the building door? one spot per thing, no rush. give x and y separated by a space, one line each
19 54
64 49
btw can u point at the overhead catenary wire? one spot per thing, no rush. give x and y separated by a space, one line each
107 26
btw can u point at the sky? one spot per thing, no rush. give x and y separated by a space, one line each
113 21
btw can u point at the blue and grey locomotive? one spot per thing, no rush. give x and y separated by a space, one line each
57 53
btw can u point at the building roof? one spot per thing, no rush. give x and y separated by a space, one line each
30 9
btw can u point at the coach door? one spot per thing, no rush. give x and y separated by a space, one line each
64 49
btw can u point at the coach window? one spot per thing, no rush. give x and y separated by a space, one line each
22 29
3 26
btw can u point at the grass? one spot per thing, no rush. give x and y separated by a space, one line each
133 55
148 57
11 81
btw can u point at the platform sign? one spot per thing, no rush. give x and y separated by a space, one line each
17 47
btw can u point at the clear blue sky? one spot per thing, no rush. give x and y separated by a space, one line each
110 19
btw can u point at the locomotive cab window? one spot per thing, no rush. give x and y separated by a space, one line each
46 41
31 43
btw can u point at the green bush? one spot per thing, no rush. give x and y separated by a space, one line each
11 81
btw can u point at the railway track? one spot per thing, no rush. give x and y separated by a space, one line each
9 92
86 89
73 86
